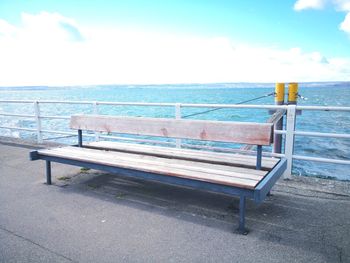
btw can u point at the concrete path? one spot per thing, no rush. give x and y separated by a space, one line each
89 216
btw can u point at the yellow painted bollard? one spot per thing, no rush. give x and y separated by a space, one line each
279 100
292 93
279 90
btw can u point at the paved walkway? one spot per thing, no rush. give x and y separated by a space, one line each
88 216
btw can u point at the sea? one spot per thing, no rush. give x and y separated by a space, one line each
317 94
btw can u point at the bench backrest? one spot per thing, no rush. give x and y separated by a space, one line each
236 132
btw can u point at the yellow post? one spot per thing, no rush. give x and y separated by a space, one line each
292 93
279 100
279 90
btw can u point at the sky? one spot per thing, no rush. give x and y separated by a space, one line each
45 42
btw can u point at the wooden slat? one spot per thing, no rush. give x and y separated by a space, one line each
178 151
173 163
194 166
187 154
237 132
156 165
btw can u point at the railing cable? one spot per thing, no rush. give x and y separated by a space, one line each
238 103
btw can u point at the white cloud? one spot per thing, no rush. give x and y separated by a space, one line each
309 4
340 5
345 25
43 52
49 27
6 29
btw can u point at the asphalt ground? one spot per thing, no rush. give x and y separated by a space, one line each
90 216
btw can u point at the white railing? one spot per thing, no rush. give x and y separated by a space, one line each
288 134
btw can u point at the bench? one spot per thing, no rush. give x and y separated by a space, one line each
245 176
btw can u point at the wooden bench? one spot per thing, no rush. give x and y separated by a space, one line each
233 174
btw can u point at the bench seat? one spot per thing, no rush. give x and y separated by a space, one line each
201 169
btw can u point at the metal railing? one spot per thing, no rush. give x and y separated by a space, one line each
288 133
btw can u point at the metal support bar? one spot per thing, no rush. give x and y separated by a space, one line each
258 157
241 226
289 144
277 144
38 121
276 116
48 172
277 120
211 187
80 138
95 111
269 181
178 116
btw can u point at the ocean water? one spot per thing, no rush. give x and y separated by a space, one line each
324 94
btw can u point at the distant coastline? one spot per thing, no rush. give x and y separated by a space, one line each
181 85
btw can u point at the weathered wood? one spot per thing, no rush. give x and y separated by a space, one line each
228 159
236 132
157 165
172 163
273 119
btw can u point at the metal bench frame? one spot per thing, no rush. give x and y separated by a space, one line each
258 194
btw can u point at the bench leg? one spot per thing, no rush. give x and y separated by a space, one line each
241 227
48 172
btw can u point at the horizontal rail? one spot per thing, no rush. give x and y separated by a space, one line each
323 108
55 117
108 103
235 106
59 132
280 132
107 137
323 134
90 102
16 115
135 104
46 101
17 128
318 159
193 105
17 101
316 134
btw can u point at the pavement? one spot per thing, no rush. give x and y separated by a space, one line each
90 216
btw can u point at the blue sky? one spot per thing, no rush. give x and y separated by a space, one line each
317 30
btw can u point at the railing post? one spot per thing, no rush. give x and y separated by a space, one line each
95 111
178 116
258 157
289 146
38 122
80 138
